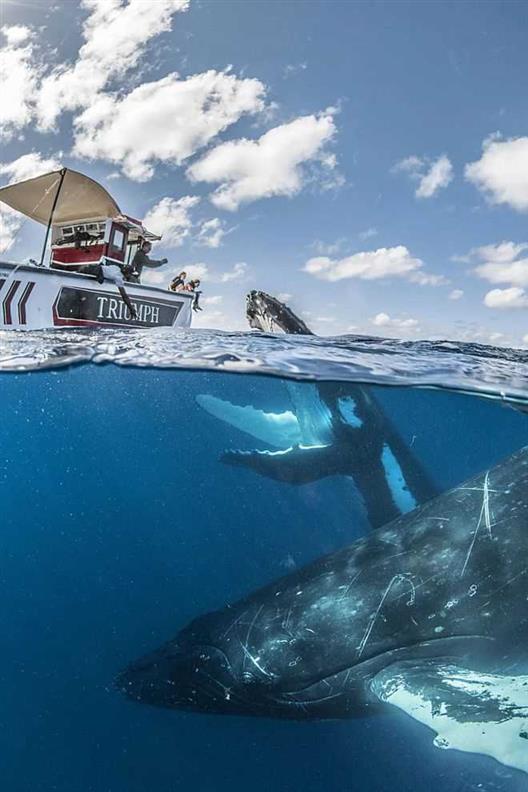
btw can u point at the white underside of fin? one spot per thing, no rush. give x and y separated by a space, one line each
491 719
401 494
280 430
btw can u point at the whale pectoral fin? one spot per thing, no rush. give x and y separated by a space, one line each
469 710
300 465
280 430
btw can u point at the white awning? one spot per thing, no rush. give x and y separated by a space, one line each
80 198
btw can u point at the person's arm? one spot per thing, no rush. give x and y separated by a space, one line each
148 262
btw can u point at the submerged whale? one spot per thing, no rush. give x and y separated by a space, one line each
331 429
428 614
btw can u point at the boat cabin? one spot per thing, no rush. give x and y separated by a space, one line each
89 242
84 228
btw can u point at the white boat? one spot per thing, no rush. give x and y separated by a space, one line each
88 230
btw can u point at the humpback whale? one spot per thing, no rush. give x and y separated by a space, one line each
332 429
427 615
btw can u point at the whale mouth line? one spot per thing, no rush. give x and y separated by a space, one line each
392 655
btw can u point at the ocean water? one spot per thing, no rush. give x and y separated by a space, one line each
120 523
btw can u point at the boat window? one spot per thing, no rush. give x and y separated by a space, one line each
118 240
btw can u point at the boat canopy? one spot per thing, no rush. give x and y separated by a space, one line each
80 199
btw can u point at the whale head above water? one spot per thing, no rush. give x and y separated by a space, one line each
429 614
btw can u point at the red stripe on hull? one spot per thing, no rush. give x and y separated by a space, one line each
22 319
8 300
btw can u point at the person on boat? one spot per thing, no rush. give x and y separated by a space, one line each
193 286
178 283
114 273
142 259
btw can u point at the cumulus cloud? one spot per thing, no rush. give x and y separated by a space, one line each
403 325
501 263
275 164
164 121
25 167
19 79
502 171
116 35
431 175
238 272
456 294
514 297
211 233
384 263
170 219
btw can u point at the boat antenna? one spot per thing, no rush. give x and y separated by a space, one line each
50 221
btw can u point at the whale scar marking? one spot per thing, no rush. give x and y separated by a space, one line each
247 653
255 662
399 578
484 517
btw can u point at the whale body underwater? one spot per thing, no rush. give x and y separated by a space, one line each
427 614
331 428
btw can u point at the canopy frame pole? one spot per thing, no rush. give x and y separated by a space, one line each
50 221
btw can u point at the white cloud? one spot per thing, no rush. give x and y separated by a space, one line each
284 297
431 175
501 263
395 262
514 297
514 272
456 294
116 35
164 121
238 272
502 171
275 164
439 175
500 253
215 299
19 80
25 167
16 34
170 218
403 325
211 233
200 271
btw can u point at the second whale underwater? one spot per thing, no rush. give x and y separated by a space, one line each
332 429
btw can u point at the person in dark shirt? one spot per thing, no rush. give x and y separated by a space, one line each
178 283
142 259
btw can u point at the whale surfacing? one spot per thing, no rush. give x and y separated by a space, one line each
427 615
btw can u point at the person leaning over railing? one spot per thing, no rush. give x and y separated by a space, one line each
142 259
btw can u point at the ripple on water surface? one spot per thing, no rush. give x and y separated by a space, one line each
493 371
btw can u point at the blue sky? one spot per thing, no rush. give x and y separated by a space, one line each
370 160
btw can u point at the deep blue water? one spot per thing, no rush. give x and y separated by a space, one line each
120 524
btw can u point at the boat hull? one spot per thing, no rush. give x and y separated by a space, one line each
38 298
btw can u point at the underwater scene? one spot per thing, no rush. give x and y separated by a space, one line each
238 561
